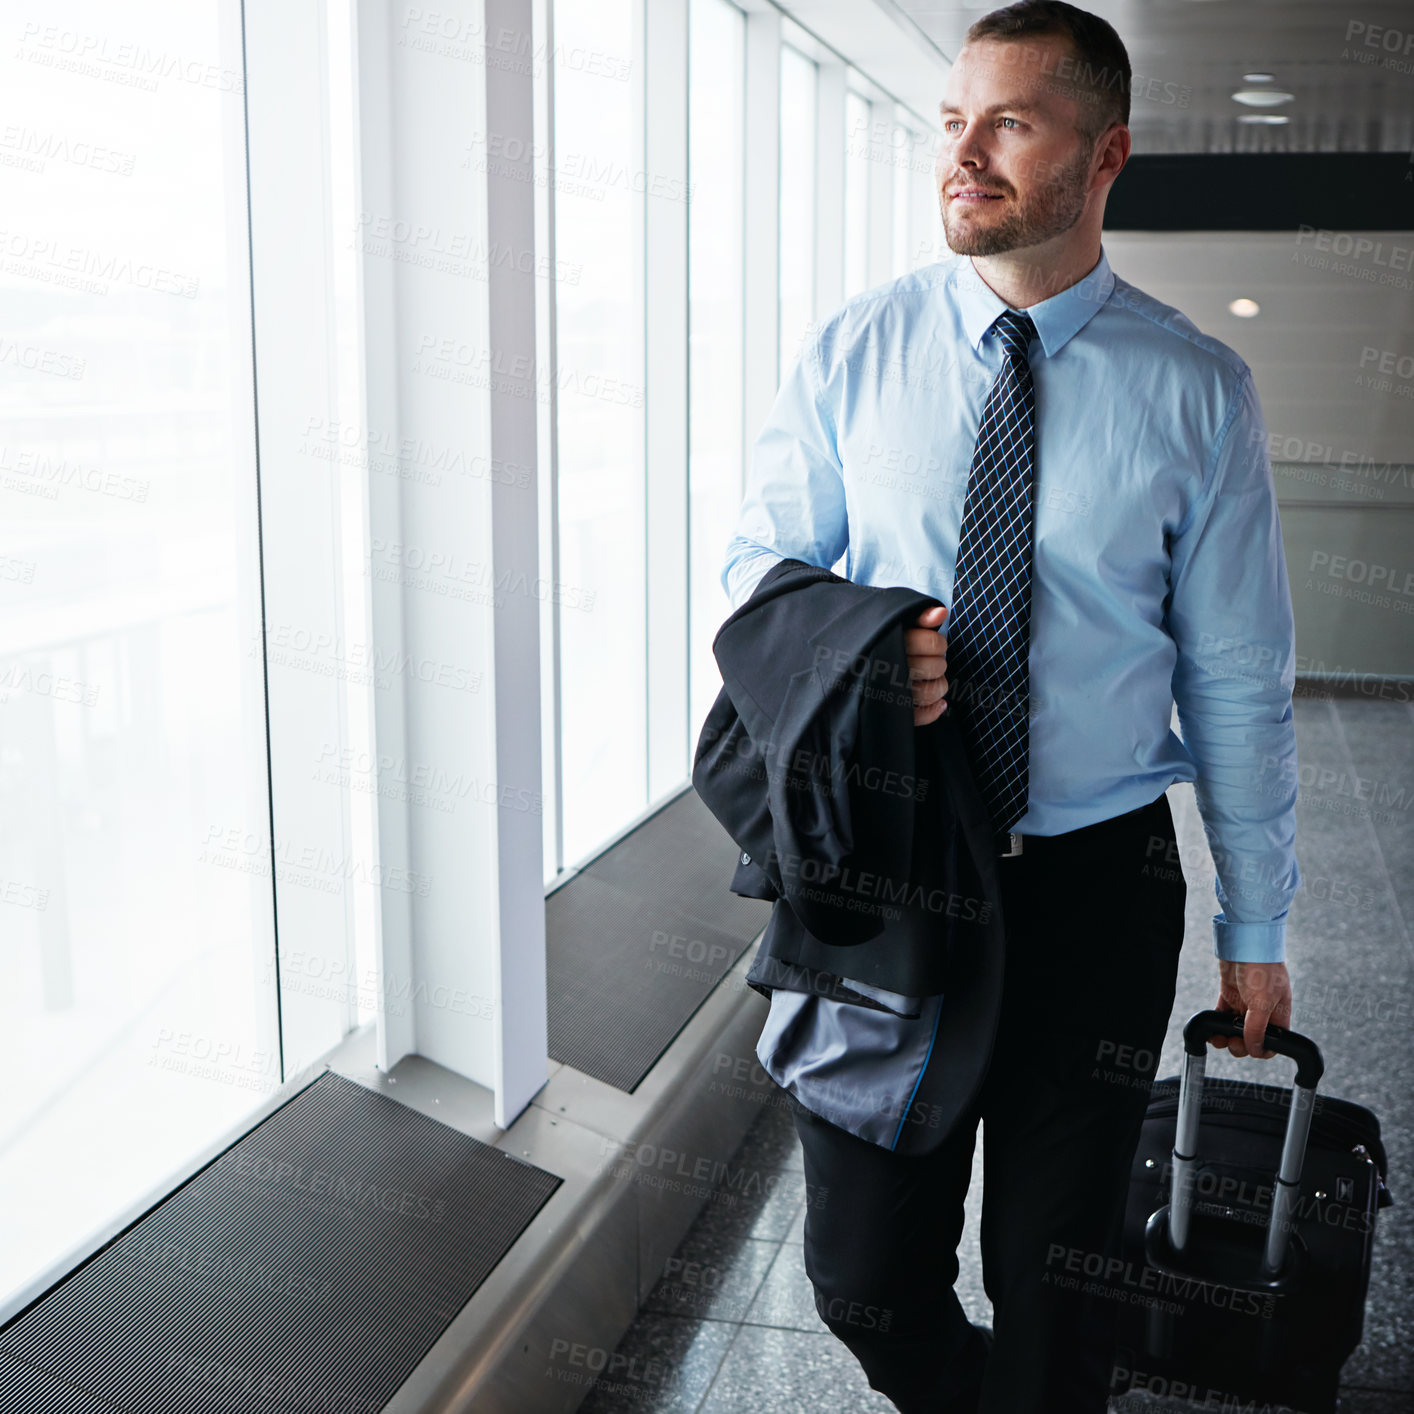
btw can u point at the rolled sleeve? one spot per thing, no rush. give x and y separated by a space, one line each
1230 615
794 506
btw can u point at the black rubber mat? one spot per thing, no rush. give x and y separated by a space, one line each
638 939
306 1269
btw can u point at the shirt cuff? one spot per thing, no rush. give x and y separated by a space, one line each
1249 942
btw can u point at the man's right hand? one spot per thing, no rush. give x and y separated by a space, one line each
927 652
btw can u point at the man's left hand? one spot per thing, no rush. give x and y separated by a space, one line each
1263 991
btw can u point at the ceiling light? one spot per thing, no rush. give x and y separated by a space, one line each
1244 308
1257 78
1263 97
1271 119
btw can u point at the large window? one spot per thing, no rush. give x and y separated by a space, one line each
797 198
599 185
715 240
137 994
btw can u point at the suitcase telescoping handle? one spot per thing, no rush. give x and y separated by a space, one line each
1309 1068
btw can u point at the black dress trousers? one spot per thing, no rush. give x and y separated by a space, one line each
1094 925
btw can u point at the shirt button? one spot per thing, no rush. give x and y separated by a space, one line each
745 857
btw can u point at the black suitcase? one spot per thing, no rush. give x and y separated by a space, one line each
1250 1287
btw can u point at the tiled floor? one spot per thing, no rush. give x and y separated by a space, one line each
731 1329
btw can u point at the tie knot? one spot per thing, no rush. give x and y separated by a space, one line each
1015 329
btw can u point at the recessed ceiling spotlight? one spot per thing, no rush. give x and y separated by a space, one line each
1266 119
1244 308
1257 78
1263 97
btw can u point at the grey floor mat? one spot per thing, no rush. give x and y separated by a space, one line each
638 939
308 1268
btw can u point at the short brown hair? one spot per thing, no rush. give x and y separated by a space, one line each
1100 77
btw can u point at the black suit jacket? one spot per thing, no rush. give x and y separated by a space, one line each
867 832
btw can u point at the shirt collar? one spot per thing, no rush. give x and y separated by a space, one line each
1057 319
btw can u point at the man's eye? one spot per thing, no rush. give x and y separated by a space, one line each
951 124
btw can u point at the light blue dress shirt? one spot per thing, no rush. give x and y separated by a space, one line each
1158 575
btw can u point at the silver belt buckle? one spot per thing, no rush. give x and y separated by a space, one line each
1014 843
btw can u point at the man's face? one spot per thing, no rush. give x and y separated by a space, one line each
1012 170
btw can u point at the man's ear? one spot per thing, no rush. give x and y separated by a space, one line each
1113 147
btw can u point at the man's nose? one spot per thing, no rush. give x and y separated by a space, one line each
967 149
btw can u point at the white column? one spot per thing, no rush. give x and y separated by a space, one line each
450 339
520 1053
881 191
927 244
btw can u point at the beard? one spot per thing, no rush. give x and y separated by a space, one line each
1049 209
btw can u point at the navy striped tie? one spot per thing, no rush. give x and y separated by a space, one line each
988 627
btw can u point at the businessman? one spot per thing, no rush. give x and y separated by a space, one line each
1081 477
